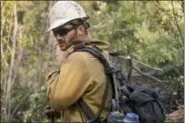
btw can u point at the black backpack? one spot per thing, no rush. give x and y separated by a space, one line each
139 99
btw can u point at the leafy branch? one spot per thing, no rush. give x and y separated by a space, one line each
177 23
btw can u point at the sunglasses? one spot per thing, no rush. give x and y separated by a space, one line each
61 32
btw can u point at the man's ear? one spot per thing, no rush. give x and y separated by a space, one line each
80 30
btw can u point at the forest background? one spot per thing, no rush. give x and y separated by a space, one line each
148 34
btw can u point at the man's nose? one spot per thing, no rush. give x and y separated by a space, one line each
58 37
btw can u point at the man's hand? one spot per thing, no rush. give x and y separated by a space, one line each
62 55
50 112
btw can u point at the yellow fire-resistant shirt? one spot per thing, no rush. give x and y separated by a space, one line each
80 76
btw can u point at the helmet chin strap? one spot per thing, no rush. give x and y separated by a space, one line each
86 24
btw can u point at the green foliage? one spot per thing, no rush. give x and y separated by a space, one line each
151 35
35 112
29 82
145 30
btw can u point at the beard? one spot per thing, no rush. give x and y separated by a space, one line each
64 45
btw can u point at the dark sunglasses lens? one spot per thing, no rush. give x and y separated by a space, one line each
61 32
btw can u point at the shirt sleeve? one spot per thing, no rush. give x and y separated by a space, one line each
51 80
72 82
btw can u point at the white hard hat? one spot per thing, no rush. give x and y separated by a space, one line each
65 11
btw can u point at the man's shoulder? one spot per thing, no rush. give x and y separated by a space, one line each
79 57
77 62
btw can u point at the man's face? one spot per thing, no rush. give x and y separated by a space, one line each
65 37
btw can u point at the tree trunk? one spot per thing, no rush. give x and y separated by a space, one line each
10 70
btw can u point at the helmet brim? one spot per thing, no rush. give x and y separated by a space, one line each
62 22
57 23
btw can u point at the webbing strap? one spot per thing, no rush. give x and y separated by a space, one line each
96 52
85 108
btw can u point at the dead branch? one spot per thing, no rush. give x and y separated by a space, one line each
129 76
140 62
175 19
151 77
147 65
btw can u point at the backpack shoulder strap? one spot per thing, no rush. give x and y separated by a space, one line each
97 53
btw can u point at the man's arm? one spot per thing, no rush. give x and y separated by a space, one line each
72 82
52 78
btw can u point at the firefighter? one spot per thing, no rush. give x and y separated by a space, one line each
80 81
